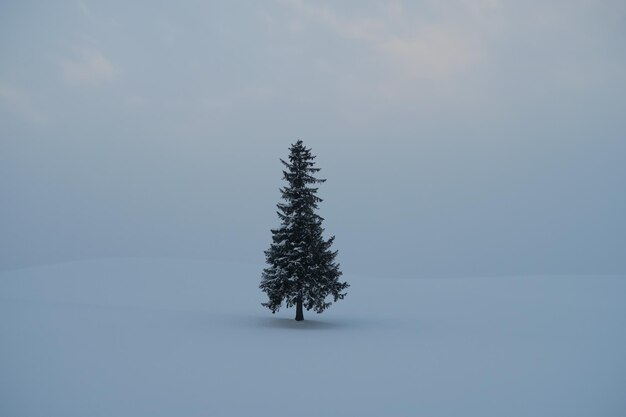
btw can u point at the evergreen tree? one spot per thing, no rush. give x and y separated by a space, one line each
302 270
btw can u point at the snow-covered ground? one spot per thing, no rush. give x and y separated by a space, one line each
142 337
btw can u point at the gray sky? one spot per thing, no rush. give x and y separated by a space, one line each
458 138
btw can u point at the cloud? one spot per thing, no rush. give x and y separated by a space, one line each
20 103
90 68
437 52
425 50
84 9
355 28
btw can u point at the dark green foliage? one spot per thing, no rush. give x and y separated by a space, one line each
302 268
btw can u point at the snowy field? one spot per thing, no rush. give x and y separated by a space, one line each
142 337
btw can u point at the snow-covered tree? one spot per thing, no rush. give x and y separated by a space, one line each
302 270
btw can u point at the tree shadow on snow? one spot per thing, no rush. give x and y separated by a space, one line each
307 324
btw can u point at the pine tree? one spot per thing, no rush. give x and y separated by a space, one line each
302 270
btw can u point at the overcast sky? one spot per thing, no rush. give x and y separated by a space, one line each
459 138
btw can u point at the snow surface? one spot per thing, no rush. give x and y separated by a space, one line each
150 337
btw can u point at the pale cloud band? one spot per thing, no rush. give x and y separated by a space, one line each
20 103
90 67
431 51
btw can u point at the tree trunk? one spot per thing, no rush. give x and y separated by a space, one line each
299 313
